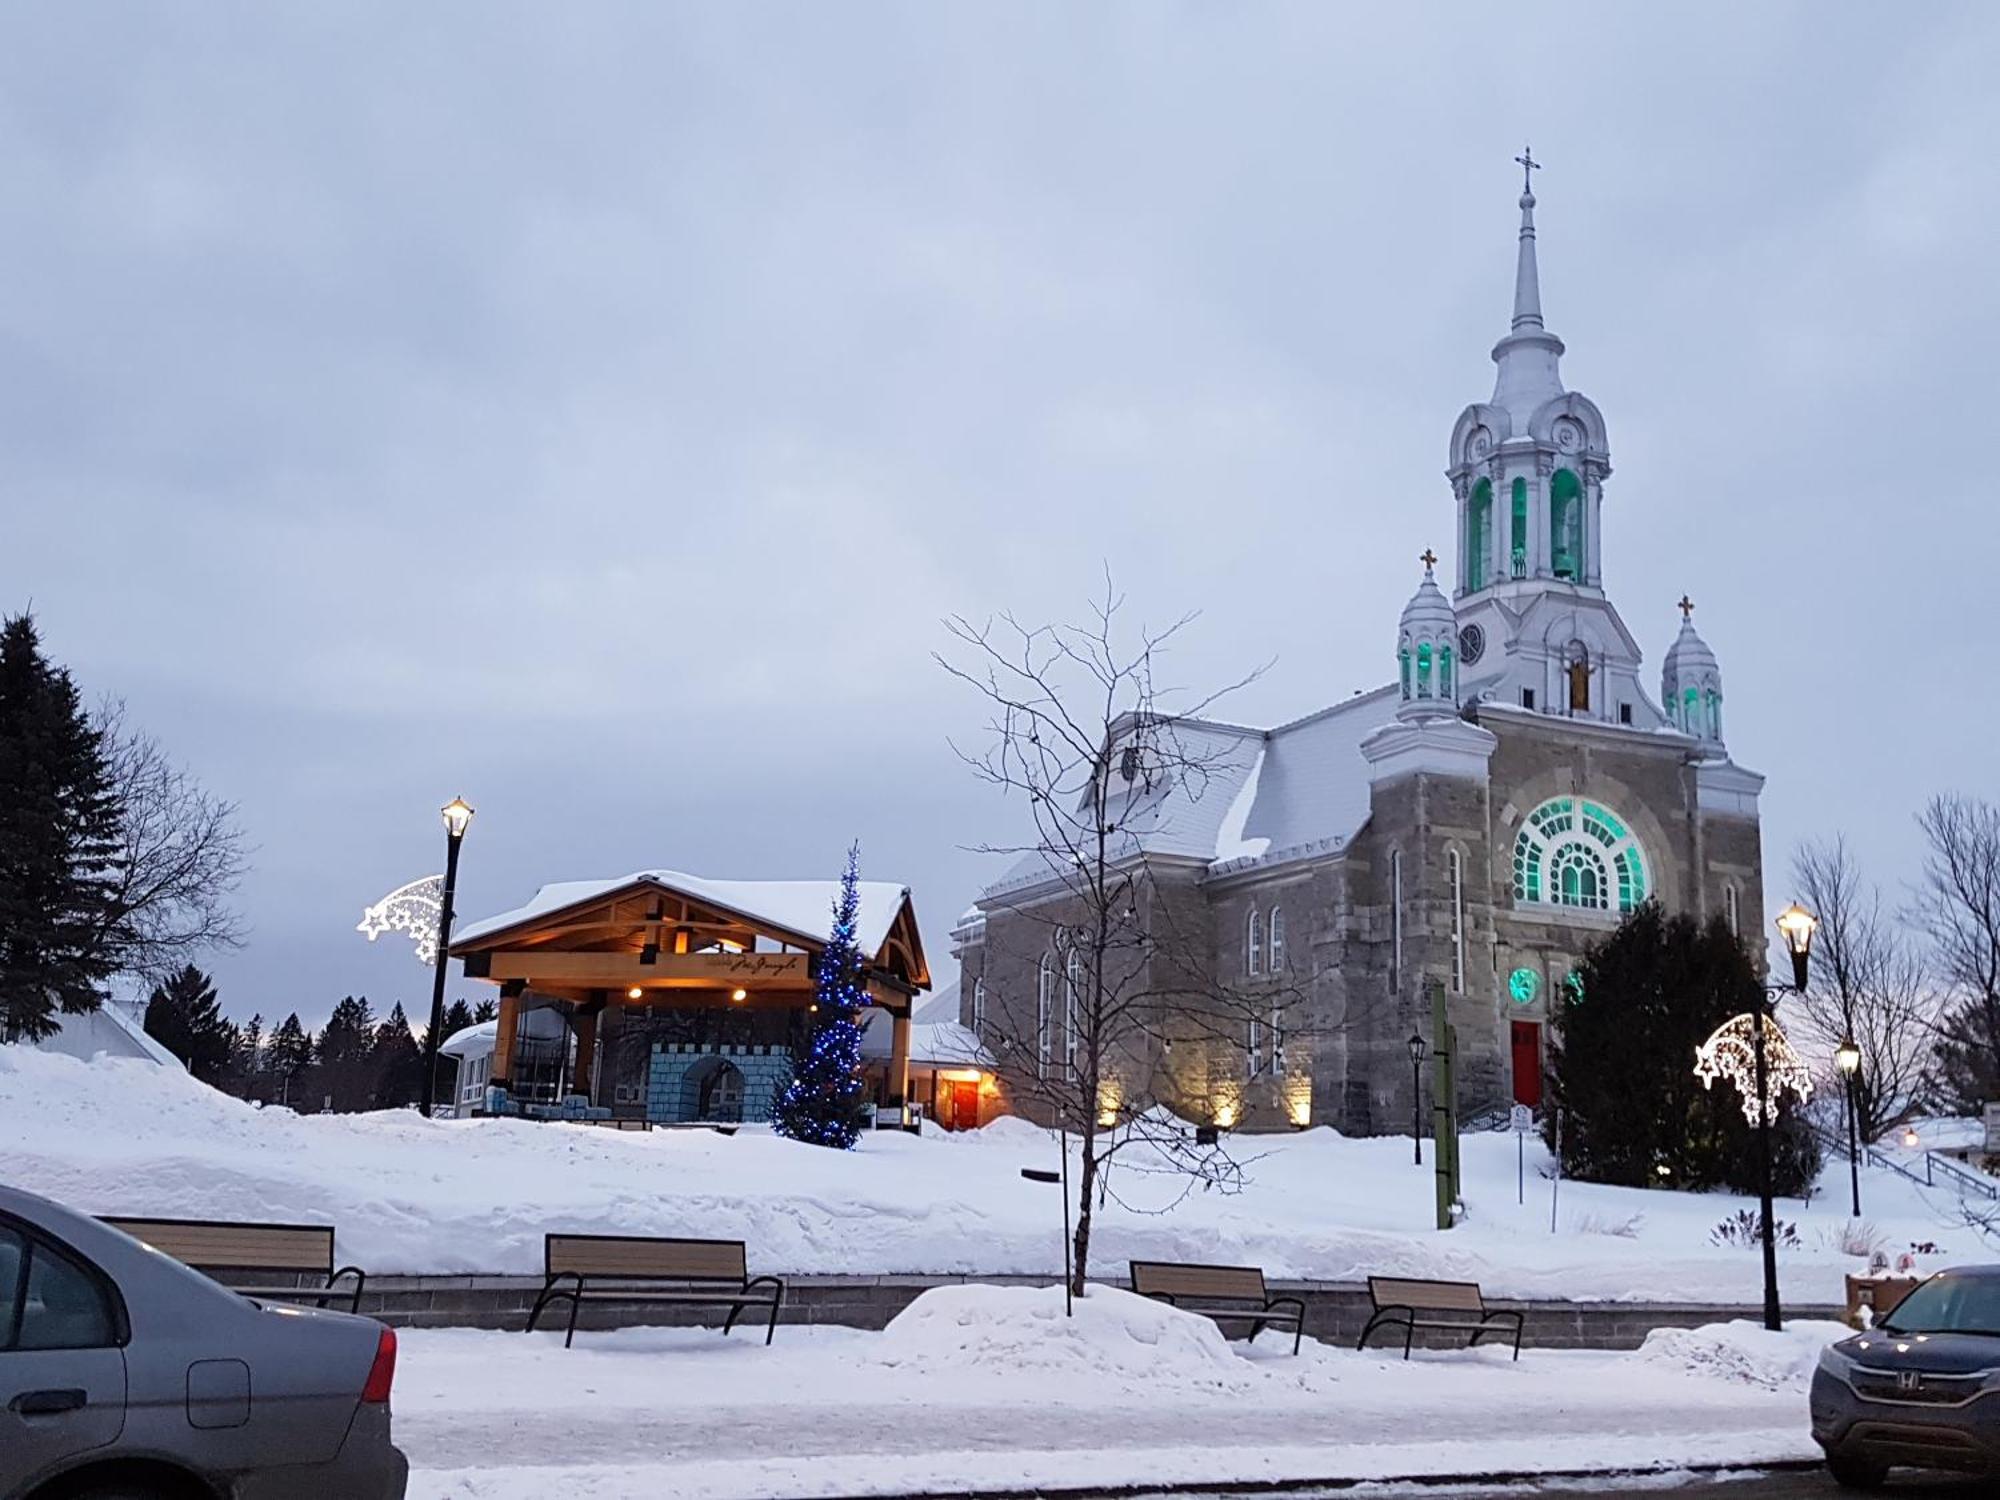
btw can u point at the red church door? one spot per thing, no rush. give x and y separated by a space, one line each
1528 1063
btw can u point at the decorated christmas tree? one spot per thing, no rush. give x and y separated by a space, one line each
823 1102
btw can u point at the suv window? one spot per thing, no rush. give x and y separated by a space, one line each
49 1301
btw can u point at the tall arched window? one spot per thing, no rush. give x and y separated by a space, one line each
1253 945
1045 996
1072 991
1277 941
1455 867
1566 524
979 1008
1517 551
1253 1046
1403 657
1396 918
1444 672
1575 853
1478 535
1423 669
1729 909
1278 1040
1713 700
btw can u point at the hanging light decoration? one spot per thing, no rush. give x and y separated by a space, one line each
1730 1054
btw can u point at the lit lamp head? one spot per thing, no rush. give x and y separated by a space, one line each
457 815
1797 926
1911 1138
1847 1057
739 996
1417 1048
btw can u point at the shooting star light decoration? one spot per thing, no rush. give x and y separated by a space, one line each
412 909
1730 1052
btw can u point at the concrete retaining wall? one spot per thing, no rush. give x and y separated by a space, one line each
1334 1311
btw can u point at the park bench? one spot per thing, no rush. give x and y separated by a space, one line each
1223 1293
580 1268
249 1257
1410 1305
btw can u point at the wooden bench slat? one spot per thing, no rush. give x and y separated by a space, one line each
238 1247
1167 1279
606 1256
1442 1296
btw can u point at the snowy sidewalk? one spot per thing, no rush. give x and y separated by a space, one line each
998 1392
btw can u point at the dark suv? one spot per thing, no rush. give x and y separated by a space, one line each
1921 1389
126 1376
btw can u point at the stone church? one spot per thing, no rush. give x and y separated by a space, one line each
1479 821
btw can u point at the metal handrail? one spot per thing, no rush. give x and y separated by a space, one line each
1964 1177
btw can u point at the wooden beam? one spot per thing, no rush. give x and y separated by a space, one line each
752 971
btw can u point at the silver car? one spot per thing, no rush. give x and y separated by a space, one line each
126 1376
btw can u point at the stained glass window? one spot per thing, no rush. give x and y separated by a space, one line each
1576 853
1522 985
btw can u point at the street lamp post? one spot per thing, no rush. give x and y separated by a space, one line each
1416 1045
1796 925
457 815
1847 1060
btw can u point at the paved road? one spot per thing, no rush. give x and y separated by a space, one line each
1810 1484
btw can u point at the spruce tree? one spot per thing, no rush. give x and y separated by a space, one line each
457 1017
290 1053
397 1064
484 1011
823 1102
59 843
1621 1063
345 1055
184 1016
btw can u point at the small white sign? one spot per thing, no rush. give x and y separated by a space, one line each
1522 1119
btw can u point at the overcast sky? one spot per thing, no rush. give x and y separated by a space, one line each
592 409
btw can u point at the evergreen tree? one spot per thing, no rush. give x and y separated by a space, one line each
250 1047
345 1056
484 1011
184 1016
1621 1064
397 1063
59 843
290 1054
823 1102
457 1016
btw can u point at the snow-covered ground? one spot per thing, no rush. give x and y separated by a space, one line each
410 1195
991 1387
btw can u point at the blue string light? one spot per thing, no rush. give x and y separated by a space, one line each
822 1103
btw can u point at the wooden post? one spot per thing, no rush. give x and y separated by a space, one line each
586 1044
899 1056
509 1022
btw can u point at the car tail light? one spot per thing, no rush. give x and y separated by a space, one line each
381 1374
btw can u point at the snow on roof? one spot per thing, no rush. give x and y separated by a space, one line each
803 908
472 1041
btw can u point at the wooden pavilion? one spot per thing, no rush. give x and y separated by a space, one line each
680 998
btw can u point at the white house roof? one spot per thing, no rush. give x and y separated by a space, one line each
802 908
474 1041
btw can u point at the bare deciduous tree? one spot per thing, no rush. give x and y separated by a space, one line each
1868 983
1958 903
182 856
1081 730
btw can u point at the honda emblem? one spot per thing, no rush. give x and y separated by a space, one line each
1909 1380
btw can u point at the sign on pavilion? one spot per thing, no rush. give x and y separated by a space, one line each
678 998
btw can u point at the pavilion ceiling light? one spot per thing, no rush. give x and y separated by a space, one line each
739 995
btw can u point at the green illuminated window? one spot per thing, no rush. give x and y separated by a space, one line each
1522 985
1573 982
1580 854
1478 534
1444 671
1566 524
1423 669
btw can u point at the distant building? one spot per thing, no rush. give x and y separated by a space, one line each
673 998
112 1030
952 1077
1477 822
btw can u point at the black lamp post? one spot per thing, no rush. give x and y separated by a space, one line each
1416 1045
1847 1061
1796 924
457 815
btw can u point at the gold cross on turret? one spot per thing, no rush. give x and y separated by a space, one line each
1686 607
1428 558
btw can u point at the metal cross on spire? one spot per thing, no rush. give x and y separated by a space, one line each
1428 558
1686 607
1529 166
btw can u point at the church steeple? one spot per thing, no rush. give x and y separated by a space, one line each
1527 357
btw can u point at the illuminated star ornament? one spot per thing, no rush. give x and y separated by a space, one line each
1731 1054
412 909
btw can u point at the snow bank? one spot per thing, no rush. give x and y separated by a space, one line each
1113 1335
470 1196
1744 1352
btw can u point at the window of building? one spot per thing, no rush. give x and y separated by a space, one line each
1455 865
1580 854
1478 535
1072 998
979 1008
1253 946
1278 1040
1527 697
1276 948
1396 918
1403 657
1518 550
1045 995
1253 1046
1423 669
1566 525
1729 909
1624 713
